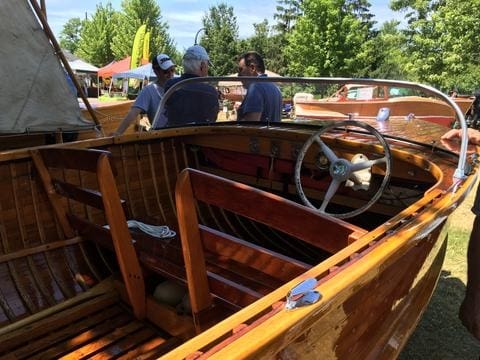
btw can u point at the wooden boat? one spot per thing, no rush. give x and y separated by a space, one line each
251 272
367 100
109 115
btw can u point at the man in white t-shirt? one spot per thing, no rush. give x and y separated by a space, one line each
149 98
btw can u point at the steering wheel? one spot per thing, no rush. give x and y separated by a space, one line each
342 170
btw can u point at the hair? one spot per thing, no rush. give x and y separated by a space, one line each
155 63
191 66
252 57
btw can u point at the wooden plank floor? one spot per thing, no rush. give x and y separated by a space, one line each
99 328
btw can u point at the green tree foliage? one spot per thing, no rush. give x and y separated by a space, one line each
134 14
443 42
287 13
96 36
70 34
326 39
384 56
221 40
267 43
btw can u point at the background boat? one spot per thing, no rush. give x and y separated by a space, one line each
366 101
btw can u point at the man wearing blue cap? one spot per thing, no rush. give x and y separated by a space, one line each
149 98
196 102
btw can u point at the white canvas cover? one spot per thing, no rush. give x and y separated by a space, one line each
34 94
79 65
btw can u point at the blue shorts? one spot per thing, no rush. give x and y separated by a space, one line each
476 203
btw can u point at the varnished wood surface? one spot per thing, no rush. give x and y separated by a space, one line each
426 108
109 115
389 269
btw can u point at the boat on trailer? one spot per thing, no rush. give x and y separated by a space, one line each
299 239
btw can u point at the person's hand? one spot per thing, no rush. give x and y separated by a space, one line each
451 139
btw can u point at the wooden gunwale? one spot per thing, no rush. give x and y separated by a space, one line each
368 243
385 246
373 236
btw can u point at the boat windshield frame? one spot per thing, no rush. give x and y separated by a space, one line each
460 172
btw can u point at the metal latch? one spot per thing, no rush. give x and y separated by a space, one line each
303 294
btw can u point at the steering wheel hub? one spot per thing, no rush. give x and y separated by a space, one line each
340 169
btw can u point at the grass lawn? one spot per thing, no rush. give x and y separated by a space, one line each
440 334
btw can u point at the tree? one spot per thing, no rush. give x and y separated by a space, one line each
442 42
70 34
221 40
384 55
287 13
96 36
267 43
136 13
326 39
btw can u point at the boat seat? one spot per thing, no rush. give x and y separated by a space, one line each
210 253
93 324
238 273
51 164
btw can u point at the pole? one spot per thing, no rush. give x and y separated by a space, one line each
44 8
64 61
196 35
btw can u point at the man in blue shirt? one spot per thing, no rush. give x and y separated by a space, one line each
149 98
193 103
263 101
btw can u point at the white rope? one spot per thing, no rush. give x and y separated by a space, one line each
161 232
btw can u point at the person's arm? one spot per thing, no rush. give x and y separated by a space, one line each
473 135
131 116
252 105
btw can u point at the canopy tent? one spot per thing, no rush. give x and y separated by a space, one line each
82 66
141 72
114 67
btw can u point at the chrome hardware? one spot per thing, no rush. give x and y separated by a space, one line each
303 294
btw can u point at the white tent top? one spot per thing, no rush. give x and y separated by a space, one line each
82 66
141 72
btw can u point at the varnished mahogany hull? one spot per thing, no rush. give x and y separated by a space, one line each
427 109
374 289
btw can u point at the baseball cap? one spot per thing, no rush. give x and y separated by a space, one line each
197 52
164 61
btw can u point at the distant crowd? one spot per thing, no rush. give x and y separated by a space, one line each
198 102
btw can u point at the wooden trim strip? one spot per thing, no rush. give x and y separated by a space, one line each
38 249
155 183
167 178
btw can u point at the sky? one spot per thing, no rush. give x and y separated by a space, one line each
184 17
